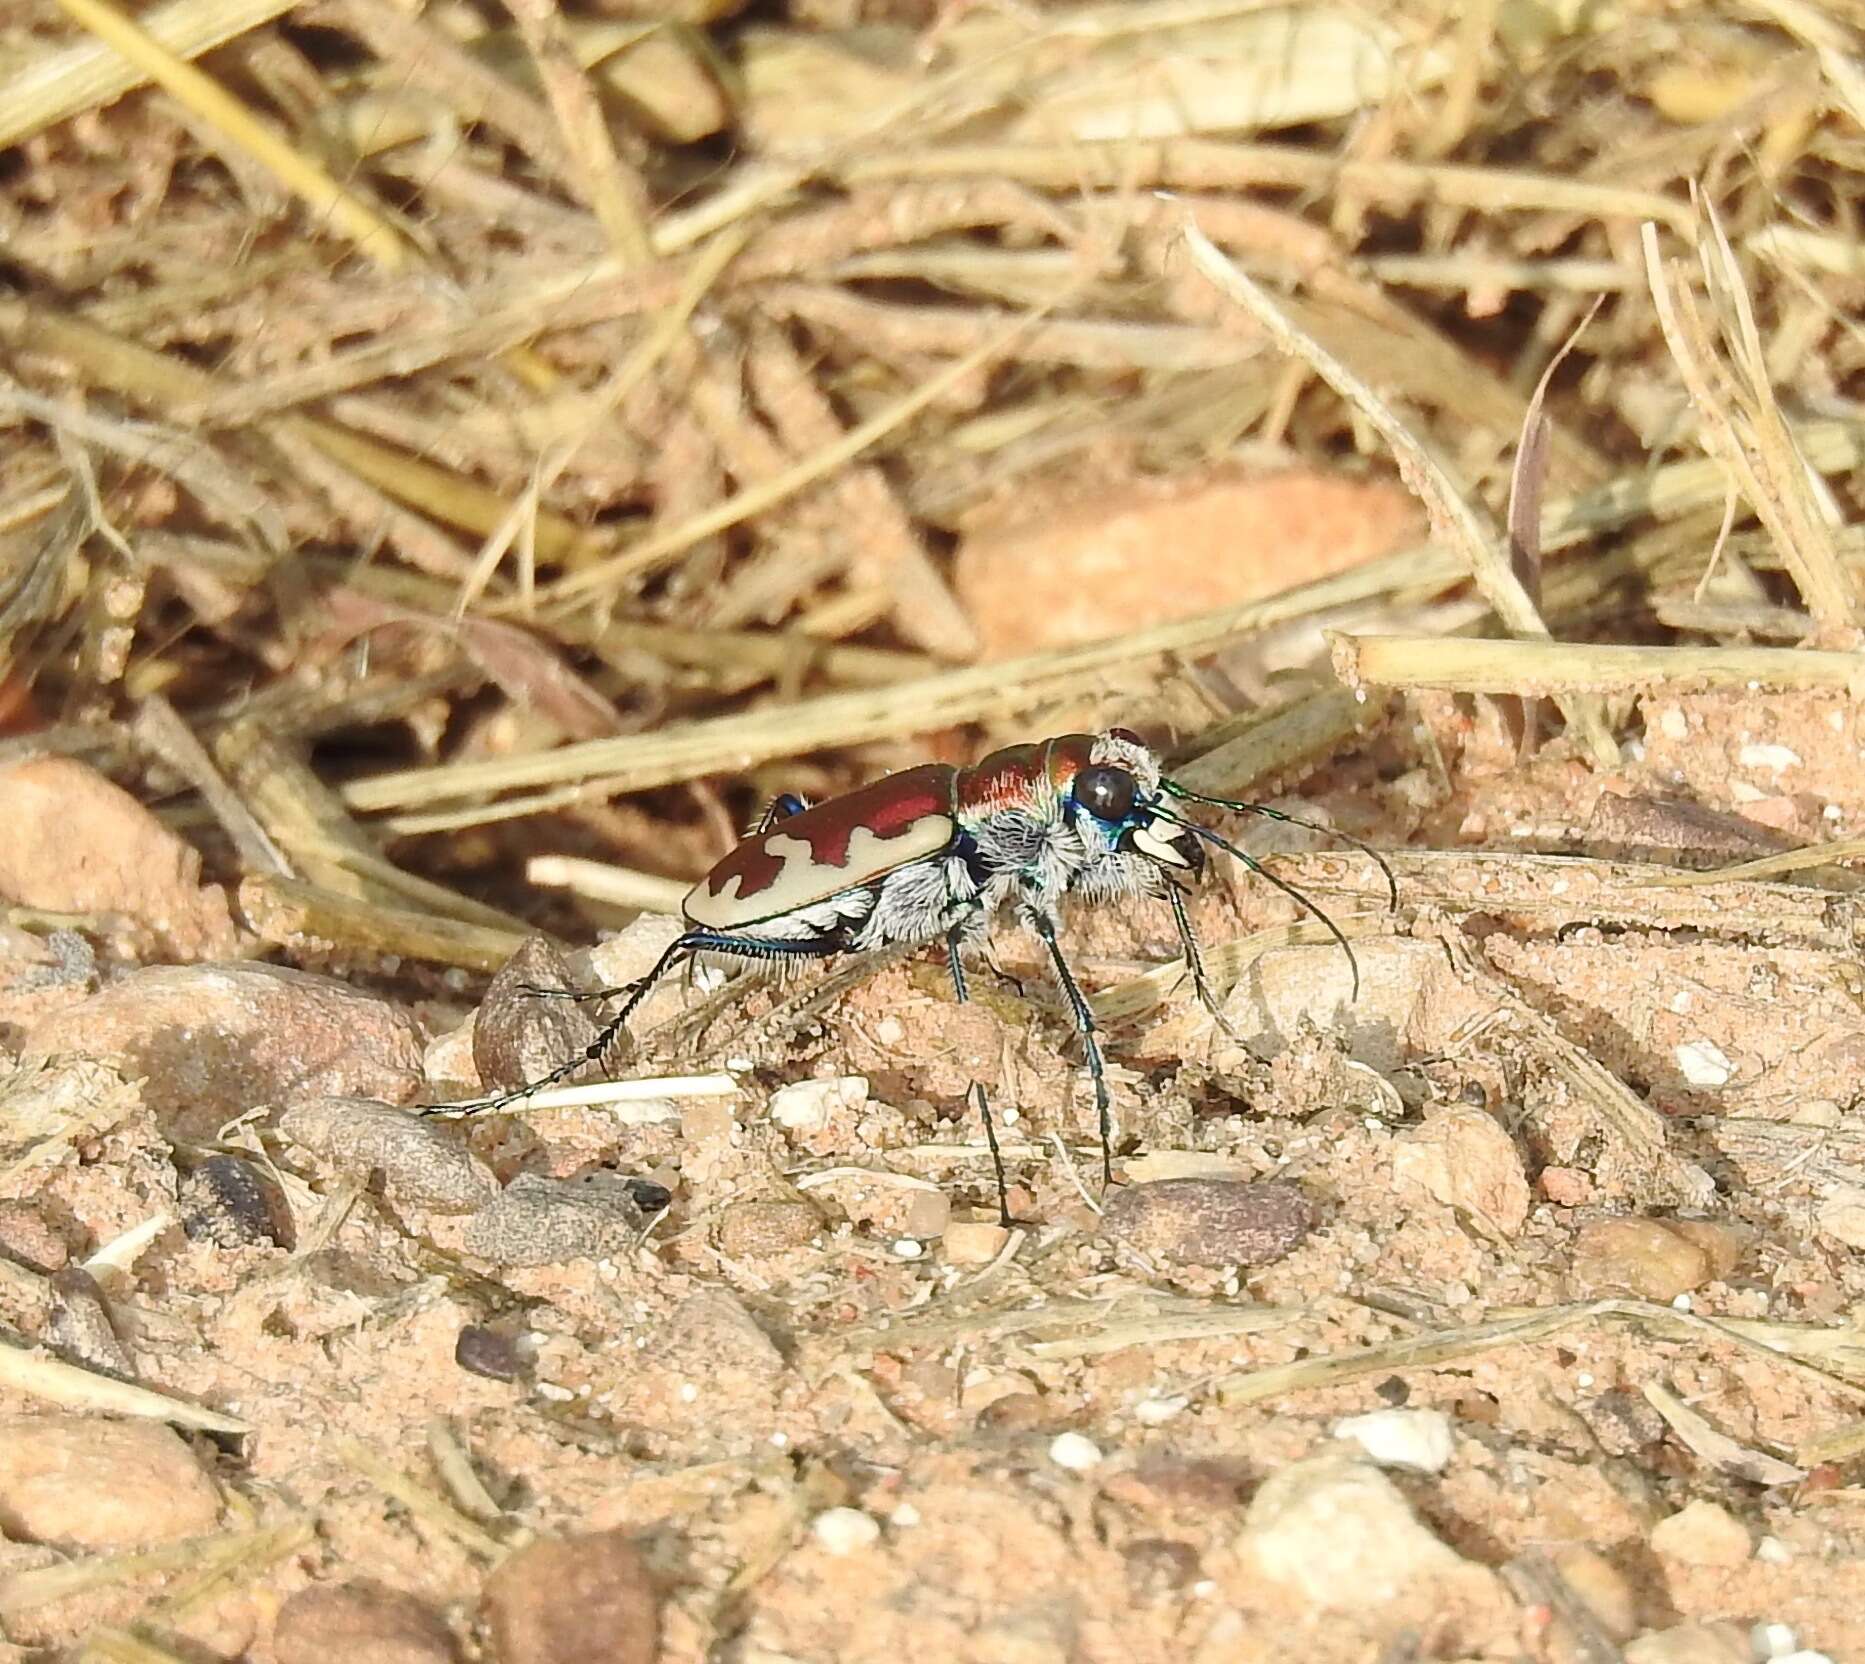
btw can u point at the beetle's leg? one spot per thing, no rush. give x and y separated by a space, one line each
683 947
957 967
1194 962
1079 1008
1014 983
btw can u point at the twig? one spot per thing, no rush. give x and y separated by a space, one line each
1564 668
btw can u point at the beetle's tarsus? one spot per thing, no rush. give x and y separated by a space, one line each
592 995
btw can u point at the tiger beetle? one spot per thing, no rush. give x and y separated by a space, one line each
936 853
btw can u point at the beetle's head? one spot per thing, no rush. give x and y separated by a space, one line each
1117 793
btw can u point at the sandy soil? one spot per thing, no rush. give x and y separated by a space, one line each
841 1414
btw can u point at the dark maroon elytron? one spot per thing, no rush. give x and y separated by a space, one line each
938 853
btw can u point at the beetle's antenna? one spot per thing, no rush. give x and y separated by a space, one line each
1173 789
1269 877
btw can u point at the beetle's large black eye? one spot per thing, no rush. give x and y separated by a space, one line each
1106 793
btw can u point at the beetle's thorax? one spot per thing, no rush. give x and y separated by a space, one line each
1029 842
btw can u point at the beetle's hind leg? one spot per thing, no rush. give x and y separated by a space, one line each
687 945
954 939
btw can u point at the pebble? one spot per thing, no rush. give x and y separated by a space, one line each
519 1036
422 1161
492 1353
1156 1412
537 1220
651 1197
1418 1440
757 1227
1566 1187
80 1325
233 1204
1465 1160
28 1239
712 1337
359 1623
447 1064
212 1041
78 843
1714 1643
1158 1569
1704 1064
1075 1451
973 1241
1701 1533
1842 1216
1338 1532
844 1531
1601 1587
1289 989
629 955
1016 1412
568 1600
1210 1222
81 1482
1773 1641
1657 1259
1625 1422
808 1106
1059 566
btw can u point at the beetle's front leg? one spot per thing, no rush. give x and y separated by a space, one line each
1201 981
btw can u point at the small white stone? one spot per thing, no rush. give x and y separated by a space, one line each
689 1394
555 1393
1680 1001
1416 1439
844 1531
1681 1303
1772 1551
1155 1412
1074 1451
1773 1640
905 1517
1673 724
1704 1063
808 1105
908 1249
1768 756
890 1031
